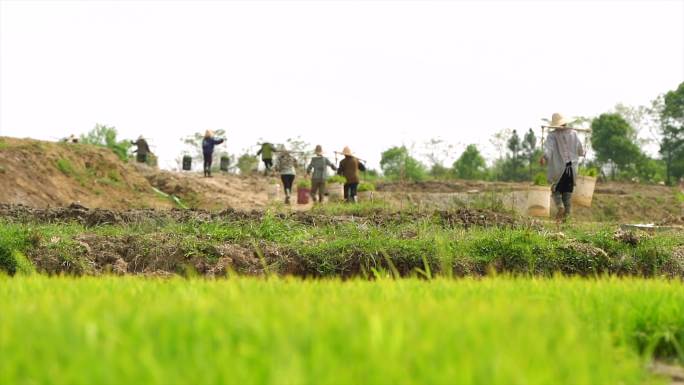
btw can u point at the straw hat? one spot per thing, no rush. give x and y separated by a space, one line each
318 150
558 121
346 151
208 134
141 137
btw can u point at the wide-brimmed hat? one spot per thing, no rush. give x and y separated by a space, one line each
318 150
208 133
558 121
346 151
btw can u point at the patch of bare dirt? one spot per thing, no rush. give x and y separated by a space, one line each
218 192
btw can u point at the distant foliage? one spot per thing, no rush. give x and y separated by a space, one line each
247 163
613 140
672 131
470 165
105 136
397 164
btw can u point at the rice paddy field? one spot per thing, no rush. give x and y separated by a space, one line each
338 295
497 330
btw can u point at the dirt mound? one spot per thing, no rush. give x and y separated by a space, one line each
43 174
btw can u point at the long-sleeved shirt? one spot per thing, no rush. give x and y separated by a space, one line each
143 148
286 164
562 146
266 151
349 168
209 143
319 165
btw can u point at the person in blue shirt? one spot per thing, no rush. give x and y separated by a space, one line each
208 144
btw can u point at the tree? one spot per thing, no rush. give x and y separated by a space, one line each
105 136
470 165
672 131
513 165
396 163
531 152
499 140
613 141
300 150
437 151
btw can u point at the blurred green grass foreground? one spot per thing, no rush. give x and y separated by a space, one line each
497 330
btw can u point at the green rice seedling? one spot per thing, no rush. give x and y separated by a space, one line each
412 331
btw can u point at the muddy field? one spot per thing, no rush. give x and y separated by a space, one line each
95 217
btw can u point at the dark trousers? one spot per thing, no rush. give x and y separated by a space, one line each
562 191
350 191
287 179
268 163
141 158
207 163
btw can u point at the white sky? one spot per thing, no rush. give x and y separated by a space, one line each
365 74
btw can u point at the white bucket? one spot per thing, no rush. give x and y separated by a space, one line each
273 191
584 190
539 201
335 192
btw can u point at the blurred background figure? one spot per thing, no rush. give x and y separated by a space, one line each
142 149
286 165
208 144
349 168
319 166
266 152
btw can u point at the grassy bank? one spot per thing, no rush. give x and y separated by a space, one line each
406 244
491 331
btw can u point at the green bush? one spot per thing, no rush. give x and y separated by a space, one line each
365 186
104 136
540 179
589 171
304 183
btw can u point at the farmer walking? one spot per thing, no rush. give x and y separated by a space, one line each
286 165
561 153
142 150
319 165
349 168
266 152
208 144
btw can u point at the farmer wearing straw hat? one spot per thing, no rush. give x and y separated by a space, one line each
561 153
286 165
143 149
319 165
208 144
349 168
